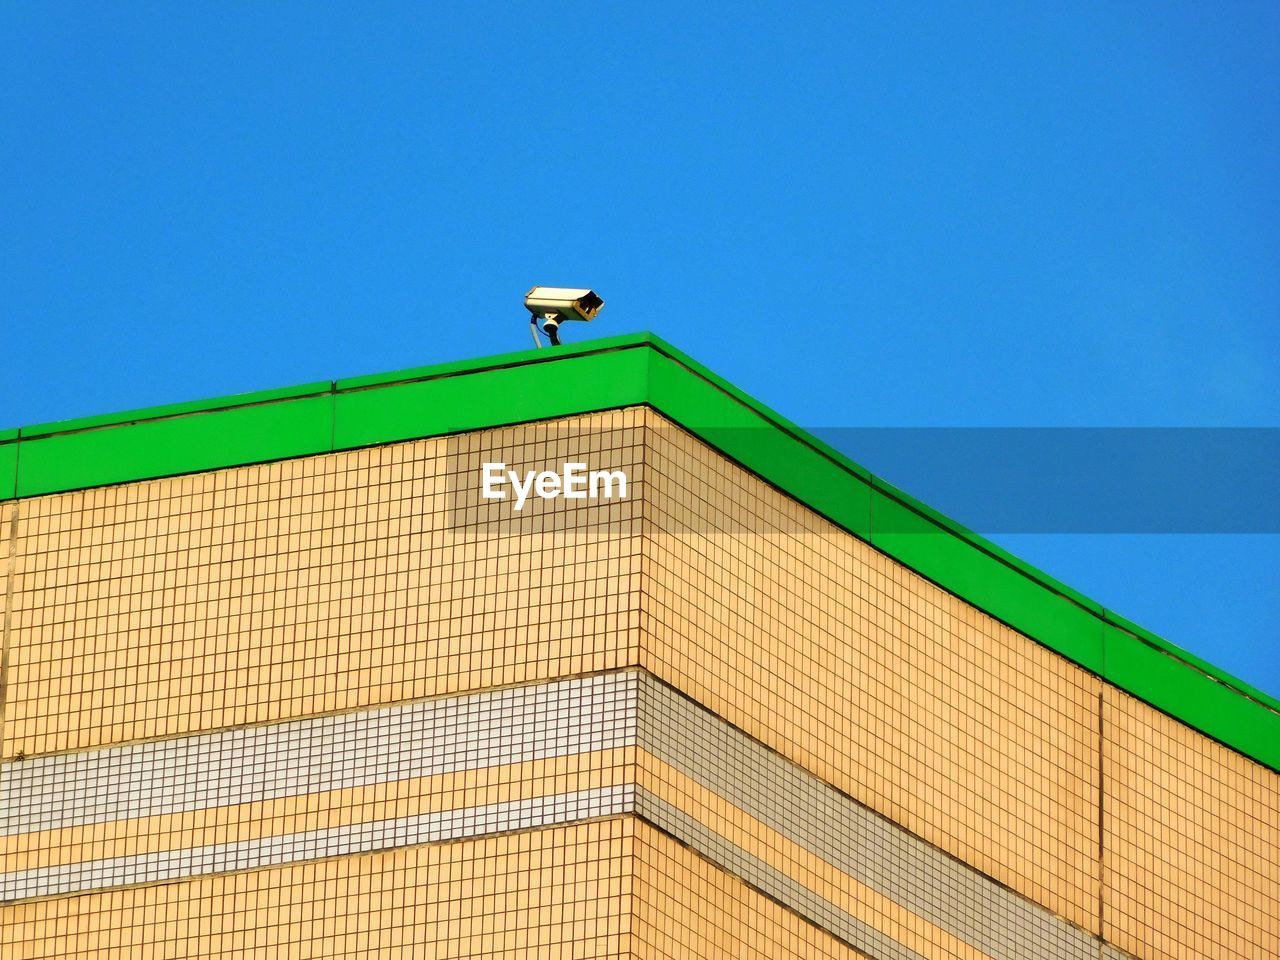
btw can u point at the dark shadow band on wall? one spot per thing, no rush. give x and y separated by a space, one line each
531 386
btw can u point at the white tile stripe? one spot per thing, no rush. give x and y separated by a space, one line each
314 844
494 727
250 764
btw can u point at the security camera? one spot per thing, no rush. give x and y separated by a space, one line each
553 305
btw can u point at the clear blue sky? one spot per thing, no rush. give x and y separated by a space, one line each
959 215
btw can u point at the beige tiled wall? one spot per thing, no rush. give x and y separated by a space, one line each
313 585
299 815
554 893
965 732
8 511
333 583
685 907
614 888
870 921
823 854
6 541
1192 841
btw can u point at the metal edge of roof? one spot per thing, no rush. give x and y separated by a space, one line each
976 540
1143 635
11 440
167 410
516 358
1137 633
340 385
879 483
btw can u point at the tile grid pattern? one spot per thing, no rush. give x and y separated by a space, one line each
858 842
769 880
251 764
551 893
822 649
687 907
967 733
8 547
597 713
317 585
188 862
614 889
1193 841
972 736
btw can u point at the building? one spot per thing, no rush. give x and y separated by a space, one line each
282 678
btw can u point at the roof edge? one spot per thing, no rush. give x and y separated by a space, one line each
329 415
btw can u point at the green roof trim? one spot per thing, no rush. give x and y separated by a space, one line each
176 409
1144 636
987 581
8 469
489 396
983 544
518 358
169 445
534 385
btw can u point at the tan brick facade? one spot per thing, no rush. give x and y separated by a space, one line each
339 700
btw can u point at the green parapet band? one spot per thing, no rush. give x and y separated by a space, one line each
176 409
9 467
741 432
1194 697
534 385
174 445
986 581
1142 635
563 385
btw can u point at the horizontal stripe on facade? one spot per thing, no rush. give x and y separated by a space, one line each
190 862
388 744
394 745
296 814
771 881
864 845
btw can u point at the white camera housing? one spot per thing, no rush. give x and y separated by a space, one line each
555 304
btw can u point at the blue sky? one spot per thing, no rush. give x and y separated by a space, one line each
937 215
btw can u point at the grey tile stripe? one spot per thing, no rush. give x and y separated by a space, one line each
813 908
319 754
868 847
512 725
315 844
